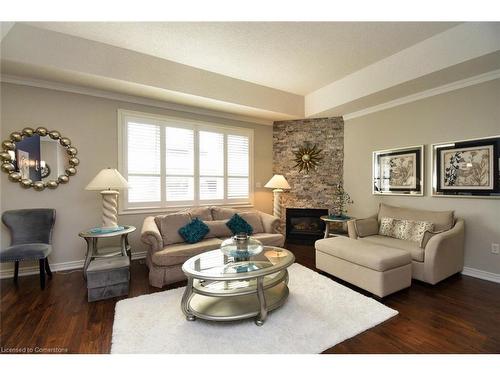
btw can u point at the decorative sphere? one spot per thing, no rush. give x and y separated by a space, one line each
54 134
41 131
16 136
8 167
63 179
72 151
74 161
26 183
5 156
28 132
8 145
70 171
65 141
52 184
306 157
14 176
38 185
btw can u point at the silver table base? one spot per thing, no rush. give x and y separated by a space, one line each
235 304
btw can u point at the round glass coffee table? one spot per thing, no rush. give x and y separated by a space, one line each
223 288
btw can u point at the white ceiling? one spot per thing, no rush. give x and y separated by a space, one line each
297 57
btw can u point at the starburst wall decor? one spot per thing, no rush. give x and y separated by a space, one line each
307 158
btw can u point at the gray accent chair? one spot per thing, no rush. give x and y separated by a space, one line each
31 235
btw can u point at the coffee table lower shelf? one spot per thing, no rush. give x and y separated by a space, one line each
228 308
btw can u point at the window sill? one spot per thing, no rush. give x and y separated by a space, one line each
160 210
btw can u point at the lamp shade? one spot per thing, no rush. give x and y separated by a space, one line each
108 178
277 182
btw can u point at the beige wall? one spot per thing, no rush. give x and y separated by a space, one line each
91 123
466 113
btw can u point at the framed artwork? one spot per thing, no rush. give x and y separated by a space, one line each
399 171
467 168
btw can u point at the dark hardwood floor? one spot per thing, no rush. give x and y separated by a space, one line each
459 315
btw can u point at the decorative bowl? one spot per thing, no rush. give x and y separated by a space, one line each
241 246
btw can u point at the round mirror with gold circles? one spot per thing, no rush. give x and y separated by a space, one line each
39 158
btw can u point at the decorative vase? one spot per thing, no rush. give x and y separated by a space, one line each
241 246
336 214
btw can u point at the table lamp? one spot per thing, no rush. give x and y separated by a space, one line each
278 183
108 180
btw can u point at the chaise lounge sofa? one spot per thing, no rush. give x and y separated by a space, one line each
167 250
383 264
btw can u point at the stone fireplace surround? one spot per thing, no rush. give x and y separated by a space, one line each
314 189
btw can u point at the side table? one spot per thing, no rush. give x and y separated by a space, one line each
94 252
335 219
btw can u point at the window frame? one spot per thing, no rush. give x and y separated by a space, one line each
163 121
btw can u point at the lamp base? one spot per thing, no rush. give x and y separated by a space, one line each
109 211
277 202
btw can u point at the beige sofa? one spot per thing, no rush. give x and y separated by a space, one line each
442 251
167 250
377 263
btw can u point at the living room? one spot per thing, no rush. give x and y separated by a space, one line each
193 186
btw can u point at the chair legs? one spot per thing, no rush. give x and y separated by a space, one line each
47 268
42 274
16 271
44 269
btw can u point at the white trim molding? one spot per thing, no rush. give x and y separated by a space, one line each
480 274
494 74
98 93
56 267
75 89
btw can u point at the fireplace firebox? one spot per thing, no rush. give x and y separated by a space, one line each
303 225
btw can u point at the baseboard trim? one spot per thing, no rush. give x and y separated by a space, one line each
480 274
73 265
56 267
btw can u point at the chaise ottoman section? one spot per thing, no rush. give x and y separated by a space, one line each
378 269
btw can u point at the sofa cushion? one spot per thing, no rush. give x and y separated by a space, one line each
195 231
178 253
222 213
239 225
170 224
202 213
363 253
442 220
254 219
408 230
218 228
417 253
270 239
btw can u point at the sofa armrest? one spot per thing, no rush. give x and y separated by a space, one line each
444 253
270 223
150 234
362 227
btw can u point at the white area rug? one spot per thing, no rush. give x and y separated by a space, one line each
318 314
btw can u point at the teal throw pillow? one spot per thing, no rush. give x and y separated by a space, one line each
195 231
239 225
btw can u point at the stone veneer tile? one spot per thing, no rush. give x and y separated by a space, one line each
314 189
